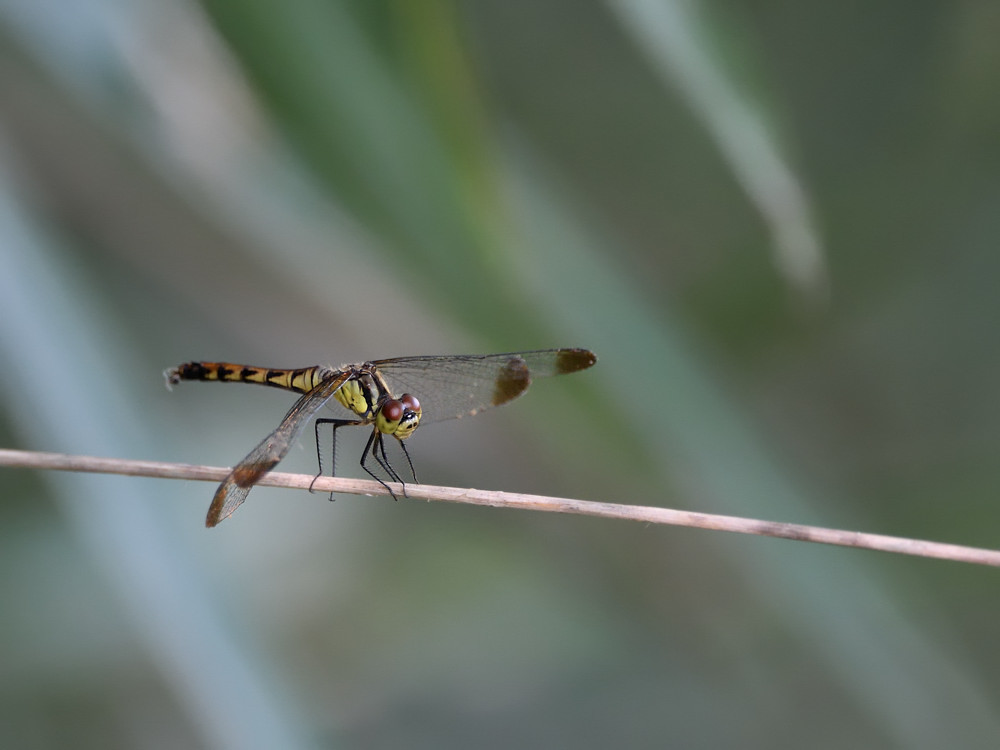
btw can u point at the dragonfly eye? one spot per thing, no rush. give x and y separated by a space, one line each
410 402
411 417
391 412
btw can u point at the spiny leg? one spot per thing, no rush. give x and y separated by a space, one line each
371 449
406 453
333 447
384 463
383 460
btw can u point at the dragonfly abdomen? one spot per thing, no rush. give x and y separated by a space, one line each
301 380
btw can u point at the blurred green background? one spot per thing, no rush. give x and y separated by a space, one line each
777 225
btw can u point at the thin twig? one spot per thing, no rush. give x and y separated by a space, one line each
642 513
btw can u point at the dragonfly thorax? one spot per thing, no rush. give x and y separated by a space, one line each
399 418
360 395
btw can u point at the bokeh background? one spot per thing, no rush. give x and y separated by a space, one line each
776 223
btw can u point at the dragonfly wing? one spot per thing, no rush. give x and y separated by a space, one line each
455 386
234 489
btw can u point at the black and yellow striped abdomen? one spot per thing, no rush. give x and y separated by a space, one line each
301 380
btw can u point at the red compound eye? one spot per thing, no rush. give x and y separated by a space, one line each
392 410
410 402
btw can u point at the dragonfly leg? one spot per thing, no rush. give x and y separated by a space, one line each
372 449
407 454
333 447
383 460
384 463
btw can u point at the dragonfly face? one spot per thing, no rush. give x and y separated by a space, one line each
399 418
378 393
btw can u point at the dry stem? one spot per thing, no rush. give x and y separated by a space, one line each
645 514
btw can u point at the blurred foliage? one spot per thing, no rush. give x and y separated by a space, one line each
775 223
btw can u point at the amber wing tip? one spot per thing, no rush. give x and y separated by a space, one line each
574 360
214 516
217 513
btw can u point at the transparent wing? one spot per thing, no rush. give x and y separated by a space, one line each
234 489
454 386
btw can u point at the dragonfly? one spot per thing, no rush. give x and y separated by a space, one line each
393 396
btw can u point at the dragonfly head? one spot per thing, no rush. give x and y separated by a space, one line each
399 417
